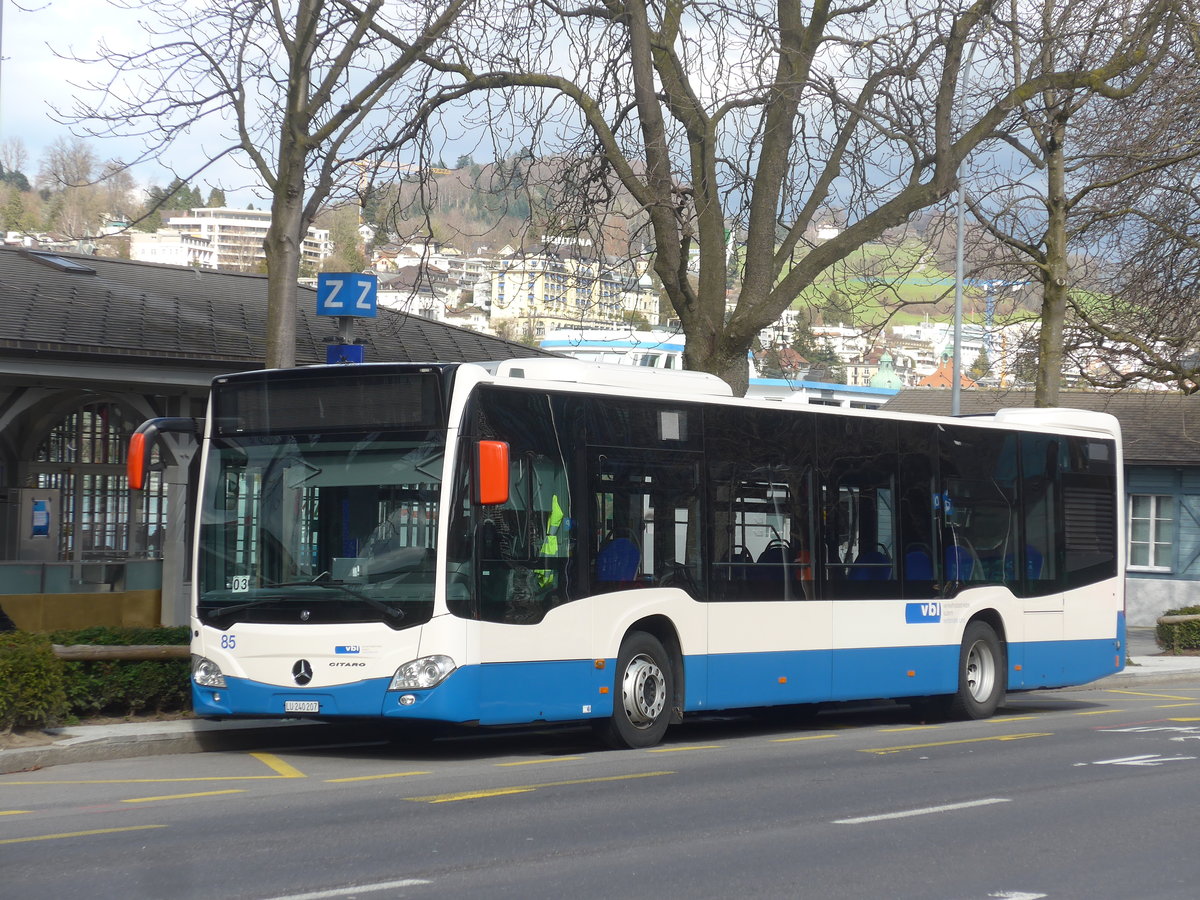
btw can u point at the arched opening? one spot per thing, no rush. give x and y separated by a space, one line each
81 462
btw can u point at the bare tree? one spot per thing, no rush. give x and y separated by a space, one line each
305 93
13 155
755 121
68 163
69 174
1038 207
1136 300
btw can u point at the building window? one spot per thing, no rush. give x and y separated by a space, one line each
1151 531
83 457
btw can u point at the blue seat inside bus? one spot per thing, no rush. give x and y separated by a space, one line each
772 563
618 560
960 563
1033 562
738 563
871 565
918 564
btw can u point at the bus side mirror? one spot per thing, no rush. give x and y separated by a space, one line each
491 472
141 445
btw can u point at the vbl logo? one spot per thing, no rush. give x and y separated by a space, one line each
929 611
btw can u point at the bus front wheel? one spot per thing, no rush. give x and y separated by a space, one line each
982 674
643 691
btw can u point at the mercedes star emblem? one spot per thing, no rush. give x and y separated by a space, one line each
302 672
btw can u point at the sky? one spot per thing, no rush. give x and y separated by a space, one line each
33 78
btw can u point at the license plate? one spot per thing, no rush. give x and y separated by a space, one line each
301 706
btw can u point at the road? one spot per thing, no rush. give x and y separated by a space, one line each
1083 794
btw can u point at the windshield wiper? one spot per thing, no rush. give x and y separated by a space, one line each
389 611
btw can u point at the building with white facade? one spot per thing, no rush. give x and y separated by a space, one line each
532 293
236 236
172 247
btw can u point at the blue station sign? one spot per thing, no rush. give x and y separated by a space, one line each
347 294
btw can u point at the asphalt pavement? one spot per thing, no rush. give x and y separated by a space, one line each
91 743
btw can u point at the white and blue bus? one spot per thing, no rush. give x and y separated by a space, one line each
546 540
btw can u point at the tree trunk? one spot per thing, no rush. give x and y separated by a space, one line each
288 225
1055 277
282 246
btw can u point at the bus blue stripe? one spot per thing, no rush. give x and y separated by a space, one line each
559 691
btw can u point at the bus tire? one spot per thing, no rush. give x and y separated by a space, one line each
982 674
642 697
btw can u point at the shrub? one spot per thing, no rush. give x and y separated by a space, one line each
125 687
31 682
1179 635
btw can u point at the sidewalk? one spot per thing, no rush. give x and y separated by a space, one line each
92 743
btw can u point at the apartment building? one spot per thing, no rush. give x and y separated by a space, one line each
236 237
561 286
172 247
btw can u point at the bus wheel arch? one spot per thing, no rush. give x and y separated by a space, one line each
982 669
646 687
663 629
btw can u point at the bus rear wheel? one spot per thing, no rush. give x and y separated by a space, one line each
982 674
642 701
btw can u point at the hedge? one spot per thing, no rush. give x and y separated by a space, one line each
114 687
1178 636
31 681
38 689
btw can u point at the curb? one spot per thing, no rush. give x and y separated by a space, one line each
1148 678
231 736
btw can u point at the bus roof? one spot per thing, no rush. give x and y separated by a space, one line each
674 381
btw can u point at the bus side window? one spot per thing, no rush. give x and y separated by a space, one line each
1040 502
524 547
859 464
646 521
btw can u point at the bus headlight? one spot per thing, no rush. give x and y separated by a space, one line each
426 672
207 673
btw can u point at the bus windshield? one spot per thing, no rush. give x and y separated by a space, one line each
320 529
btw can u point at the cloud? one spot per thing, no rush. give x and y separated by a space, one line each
38 76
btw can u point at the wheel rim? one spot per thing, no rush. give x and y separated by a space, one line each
643 691
980 674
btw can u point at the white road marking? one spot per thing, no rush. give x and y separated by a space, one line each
926 811
357 889
1146 759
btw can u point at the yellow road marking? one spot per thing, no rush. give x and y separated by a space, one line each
526 788
13 812
908 728
183 796
685 749
806 737
1098 712
999 721
999 737
373 777
1180 719
476 795
72 834
538 762
204 778
271 761
1143 694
